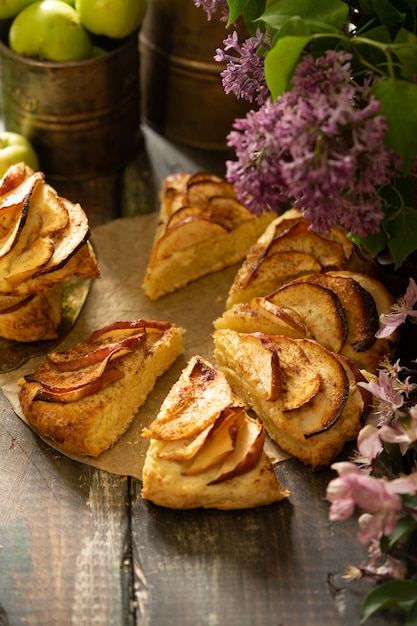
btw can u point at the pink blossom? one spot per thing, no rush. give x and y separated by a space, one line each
401 431
369 443
400 311
388 399
375 496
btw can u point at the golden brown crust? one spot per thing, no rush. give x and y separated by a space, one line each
37 319
94 423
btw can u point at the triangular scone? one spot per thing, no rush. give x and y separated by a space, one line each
337 310
289 248
85 398
202 228
205 451
306 396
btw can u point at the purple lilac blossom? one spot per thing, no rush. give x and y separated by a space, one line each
212 6
244 74
314 148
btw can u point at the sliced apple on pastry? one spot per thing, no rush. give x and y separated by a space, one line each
287 249
320 423
85 398
264 316
202 228
188 232
200 190
29 260
300 237
228 468
69 239
319 308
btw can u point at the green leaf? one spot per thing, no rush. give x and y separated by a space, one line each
401 228
405 526
236 8
328 13
399 593
398 100
406 52
283 55
387 13
374 243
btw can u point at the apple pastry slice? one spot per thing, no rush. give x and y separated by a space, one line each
85 398
202 228
306 396
44 241
205 450
286 250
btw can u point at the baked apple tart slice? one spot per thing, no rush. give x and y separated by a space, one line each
202 228
288 249
205 450
85 398
306 396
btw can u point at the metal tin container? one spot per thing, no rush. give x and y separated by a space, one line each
83 118
182 96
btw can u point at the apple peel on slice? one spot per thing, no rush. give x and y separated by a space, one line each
220 442
247 452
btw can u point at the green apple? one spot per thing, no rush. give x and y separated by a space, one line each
50 30
15 148
10 8
112 18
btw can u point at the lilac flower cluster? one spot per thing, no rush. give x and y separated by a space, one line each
392 420
314 148
244 74
212 6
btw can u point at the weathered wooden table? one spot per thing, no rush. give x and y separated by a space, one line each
79 546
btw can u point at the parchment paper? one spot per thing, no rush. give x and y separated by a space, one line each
122 248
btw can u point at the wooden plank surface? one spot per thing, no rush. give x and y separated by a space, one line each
79 546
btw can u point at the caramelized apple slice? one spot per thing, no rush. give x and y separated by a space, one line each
29 261
54 210
358 305
320 310
65 396
69 239
328 253
326 408
264 316
264 360
276 269
219 444
201 386
13 196
55 380
11 224
183 234
182 213
199 192
119 328
249 446
87 354
228 211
